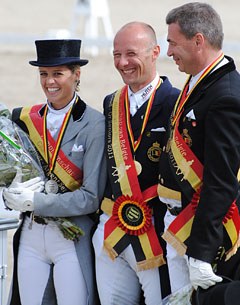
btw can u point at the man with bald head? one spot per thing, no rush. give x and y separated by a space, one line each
130 255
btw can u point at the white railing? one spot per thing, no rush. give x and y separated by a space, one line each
5 225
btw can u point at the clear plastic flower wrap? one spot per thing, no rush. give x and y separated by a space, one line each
16 152
181 296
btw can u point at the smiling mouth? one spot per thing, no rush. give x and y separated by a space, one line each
176 60
127 72
50 90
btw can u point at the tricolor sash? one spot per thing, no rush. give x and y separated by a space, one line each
191 171
130 221
188 171
67 175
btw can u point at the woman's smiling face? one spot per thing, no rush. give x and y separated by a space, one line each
58 84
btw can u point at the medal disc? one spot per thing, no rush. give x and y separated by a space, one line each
138 167
51 187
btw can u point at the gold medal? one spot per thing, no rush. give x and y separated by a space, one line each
51 187
138 167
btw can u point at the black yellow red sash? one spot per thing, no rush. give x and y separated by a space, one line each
66 173
189 171
130 221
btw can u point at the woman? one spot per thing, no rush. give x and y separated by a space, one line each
69 138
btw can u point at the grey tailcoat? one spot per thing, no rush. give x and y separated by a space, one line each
86 127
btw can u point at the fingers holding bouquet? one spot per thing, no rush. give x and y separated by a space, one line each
19 199
19 195
35 184
21 173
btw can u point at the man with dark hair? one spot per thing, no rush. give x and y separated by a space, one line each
199 165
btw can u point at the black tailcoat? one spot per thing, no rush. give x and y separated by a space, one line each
164 100
214 137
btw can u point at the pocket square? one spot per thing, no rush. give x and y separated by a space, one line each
76 148
190 115
159 129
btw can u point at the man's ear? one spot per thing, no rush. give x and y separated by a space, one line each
156 51
199 39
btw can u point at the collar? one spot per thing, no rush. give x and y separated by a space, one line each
77 111
137 99
61 111
195 78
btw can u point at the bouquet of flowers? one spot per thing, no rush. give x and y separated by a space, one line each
16 152
69 230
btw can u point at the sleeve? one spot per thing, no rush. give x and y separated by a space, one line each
220 184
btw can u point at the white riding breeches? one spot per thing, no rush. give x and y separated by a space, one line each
39 249
118 281
177 265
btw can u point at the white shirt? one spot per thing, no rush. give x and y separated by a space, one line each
192 82
55 117
137 99
195 78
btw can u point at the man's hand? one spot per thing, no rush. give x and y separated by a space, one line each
201 274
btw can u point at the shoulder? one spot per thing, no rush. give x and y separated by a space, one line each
166 95
16 113
108 98
95 120
19 111
225 90
168 88
94 113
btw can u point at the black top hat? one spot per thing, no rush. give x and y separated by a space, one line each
58 52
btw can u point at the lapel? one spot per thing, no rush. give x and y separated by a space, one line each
76 121
162 93
208 81
73 129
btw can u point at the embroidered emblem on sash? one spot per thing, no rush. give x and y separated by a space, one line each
154 152
186 137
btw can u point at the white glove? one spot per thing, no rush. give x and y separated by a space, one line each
201 274
19 196
34 184
19 199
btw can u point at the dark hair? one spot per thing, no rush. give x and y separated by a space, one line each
196 18
73 68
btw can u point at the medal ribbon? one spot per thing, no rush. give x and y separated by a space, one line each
182 99
52 161
122 151
136 143
70 179
118 234
179 230
192 170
